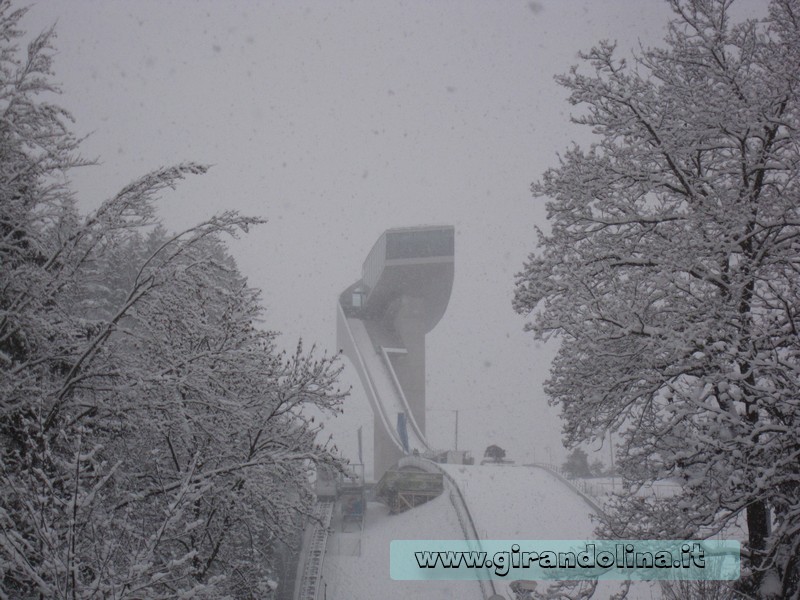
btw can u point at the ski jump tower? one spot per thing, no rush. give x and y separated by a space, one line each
382 320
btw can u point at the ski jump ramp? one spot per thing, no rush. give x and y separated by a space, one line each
389 403
382 320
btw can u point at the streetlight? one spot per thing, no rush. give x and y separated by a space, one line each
456 411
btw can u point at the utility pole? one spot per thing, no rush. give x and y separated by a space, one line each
455 411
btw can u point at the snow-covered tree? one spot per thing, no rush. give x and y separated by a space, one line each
671 275
495 453
577 464
153 439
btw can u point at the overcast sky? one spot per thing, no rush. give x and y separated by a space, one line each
337 120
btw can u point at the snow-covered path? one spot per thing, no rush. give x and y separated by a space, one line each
357 563
506 502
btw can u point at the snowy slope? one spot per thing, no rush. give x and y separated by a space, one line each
528 503
523 503
350 576
509 502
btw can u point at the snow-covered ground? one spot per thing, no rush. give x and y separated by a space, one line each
357 563
506 502
524 503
